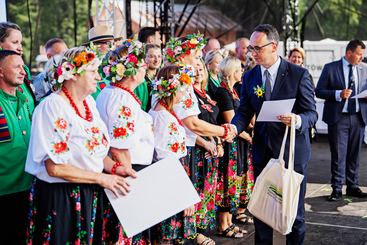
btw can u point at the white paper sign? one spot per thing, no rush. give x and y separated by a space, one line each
360 95
273 108
159 192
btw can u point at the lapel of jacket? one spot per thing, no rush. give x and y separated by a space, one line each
258 82
340 73
282 72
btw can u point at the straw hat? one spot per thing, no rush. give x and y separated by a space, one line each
100 33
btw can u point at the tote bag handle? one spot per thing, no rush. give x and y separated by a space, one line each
291 145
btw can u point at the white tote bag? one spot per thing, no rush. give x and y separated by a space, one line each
276 192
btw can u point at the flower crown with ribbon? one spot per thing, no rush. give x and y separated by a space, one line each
70 67
131 56
175 48
163 88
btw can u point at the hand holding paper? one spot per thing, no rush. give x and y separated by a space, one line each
362 94
271 109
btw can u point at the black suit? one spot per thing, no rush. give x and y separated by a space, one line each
291 82
345 130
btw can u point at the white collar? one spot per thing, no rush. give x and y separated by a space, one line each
273 70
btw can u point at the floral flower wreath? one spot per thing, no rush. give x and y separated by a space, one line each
164 88
70 67
175 48
131 55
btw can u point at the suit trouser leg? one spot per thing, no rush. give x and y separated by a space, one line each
338 135
354 148
297 236
345 139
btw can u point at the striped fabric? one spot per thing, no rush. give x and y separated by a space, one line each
4 129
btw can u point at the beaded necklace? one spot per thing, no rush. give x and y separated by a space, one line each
171 112
127 90
88 114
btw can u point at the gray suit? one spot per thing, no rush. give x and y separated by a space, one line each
345 130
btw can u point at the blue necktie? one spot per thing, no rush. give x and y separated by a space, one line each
352 107
267 85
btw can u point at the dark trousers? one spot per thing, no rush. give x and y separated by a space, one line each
345 139
264 233
13 218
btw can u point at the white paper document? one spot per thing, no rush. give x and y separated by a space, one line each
273 108
159 192
360 95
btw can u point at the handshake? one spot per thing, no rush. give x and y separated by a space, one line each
230 132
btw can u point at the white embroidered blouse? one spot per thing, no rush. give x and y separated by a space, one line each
170 135
129 127
59 134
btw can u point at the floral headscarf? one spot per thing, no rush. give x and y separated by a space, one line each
164 88
124 61
72 66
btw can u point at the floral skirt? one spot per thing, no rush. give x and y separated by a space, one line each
179 228
248 181
113 232
205 184
65 213
231 175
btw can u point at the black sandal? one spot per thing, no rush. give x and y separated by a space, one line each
238 229
244 218
231 233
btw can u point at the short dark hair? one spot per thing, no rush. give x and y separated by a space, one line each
5 28
146 32
353 45
150 46
270 31
52 41
6 53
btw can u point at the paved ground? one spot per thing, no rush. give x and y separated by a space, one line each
343 222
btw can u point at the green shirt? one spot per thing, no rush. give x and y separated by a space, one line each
143 94
15 129
100 85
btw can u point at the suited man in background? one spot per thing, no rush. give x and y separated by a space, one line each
282 80
346 117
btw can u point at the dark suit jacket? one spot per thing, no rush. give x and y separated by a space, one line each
332 79
292 82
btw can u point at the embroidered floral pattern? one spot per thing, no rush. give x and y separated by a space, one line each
172 128
59 145
188 103
124 125
95 139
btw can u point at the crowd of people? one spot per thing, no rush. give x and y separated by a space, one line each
105 110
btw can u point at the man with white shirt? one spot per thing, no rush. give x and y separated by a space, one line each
274 78
346 117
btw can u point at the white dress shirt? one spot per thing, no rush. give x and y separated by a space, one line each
273 70
346 82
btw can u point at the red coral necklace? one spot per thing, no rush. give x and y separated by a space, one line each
88 114
127 90
171 112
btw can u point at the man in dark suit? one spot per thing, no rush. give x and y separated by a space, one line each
281 80
346 117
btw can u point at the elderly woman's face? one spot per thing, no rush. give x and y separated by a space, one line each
296 58
89 79
13 41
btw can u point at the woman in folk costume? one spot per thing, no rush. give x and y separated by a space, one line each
170 140
67 154
129 127
212 61
233 165
207 165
